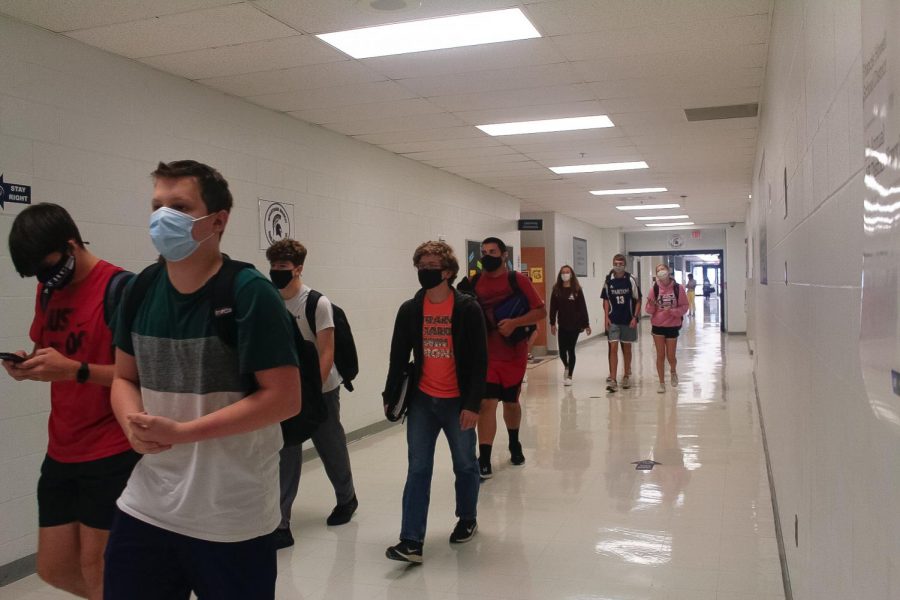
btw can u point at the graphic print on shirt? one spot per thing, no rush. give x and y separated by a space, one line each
667 299
436 337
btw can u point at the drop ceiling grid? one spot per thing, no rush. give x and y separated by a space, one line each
616 57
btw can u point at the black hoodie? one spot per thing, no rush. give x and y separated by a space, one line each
469 345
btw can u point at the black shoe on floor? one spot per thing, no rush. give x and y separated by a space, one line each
464 531
406 551
342 512
484 471
283 538
516 456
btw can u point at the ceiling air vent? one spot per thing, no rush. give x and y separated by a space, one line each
712 113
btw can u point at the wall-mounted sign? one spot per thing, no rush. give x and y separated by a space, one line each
579 257
695 235
537 274
676 240
13 193
531 224
276 222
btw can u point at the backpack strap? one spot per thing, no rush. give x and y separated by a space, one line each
222 300
514 283
139 289
113 294
312 303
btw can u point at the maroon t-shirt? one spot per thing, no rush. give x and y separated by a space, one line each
82 426
491 291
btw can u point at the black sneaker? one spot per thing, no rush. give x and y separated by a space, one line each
516 456
342 512
406 551
283 538
464 531
485 472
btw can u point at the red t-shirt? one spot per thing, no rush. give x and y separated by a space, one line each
439 368
491 291
82 426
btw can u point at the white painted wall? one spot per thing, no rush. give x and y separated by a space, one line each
85 128
735 279
835 462
557 239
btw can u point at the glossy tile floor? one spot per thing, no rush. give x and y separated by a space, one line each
577 521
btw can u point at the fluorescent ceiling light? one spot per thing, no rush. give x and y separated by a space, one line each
434 34
669 224
629 192
620 166
648 206
569 124
662 218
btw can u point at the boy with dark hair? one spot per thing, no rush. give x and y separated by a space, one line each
444 331
497 289
88 457
622 312
199 509
286 258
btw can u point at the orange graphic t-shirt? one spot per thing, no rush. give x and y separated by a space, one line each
439 369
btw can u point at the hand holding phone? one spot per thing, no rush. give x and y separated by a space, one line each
12 357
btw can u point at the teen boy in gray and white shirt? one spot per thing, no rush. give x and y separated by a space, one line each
286 258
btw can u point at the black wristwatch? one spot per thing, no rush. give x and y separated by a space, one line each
84 373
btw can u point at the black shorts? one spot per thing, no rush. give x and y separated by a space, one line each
84 492
670 333
495 391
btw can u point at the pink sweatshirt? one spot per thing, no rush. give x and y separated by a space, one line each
678 307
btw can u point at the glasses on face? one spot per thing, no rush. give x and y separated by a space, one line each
429 266
617 264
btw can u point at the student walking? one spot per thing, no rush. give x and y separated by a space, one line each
622 312
691 286
667 304
568 307
444 331
88 457
199 509
286 258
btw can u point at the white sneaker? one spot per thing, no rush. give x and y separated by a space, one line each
661 389
611 385
674 378
567 381
626 382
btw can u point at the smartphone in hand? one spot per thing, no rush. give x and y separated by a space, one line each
11 357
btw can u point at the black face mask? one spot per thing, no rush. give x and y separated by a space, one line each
59 275
491 263
281 278
430 278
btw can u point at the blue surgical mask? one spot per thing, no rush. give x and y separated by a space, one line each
172 233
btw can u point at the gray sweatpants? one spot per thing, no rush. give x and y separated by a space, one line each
330 442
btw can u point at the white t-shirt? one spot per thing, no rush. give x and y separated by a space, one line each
324 320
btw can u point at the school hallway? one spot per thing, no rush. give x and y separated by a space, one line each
577 521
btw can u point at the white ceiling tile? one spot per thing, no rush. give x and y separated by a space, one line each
468 161
334 97
376 110
238 59
487 81
412 123
418 135
222 26
427 146
81 14
528 113
436 155
310 77
514 98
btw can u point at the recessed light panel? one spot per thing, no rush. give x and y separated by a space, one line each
434 34
629 192
547 125
648 206
685 224
663 218
618 166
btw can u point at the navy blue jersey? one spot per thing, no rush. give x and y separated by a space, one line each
622 293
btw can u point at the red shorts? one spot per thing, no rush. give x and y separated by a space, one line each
504 378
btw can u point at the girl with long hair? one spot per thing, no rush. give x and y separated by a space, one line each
569 309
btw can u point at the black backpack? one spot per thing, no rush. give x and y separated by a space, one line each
345 358
111 295
467 286
313 411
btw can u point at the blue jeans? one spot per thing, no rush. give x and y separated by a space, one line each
425 419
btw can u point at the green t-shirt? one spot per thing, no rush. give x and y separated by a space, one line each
224 489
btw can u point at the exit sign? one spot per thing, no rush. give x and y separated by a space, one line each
695 235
